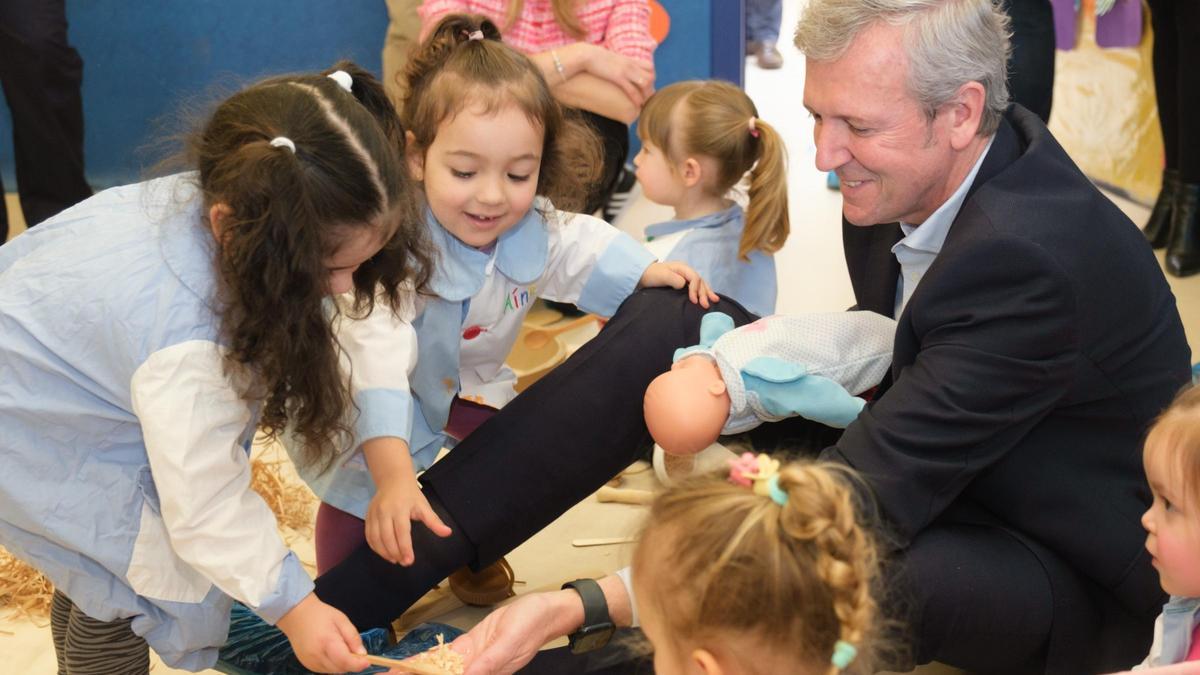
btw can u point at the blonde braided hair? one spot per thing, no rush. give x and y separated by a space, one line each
722 562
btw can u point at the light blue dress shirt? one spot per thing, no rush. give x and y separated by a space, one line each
922 243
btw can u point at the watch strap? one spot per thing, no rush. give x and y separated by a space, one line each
595 607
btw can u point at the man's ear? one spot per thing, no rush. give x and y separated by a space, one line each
691 172
966 114
706 662
414 156
218 217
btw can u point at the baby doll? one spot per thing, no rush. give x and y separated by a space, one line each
774 368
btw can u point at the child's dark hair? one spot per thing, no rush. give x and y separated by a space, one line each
450 71
726 563
712 118
288 211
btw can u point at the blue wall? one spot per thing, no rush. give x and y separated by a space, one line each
143 60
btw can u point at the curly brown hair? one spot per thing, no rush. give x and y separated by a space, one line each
287 212
450 71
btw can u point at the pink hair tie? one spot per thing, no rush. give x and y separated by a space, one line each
753 127
760 473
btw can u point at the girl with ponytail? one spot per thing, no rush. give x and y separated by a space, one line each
151 330
699 139
768 572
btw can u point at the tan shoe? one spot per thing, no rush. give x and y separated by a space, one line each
486 587
769 57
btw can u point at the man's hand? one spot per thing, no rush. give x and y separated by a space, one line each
323 638
508 638
678 275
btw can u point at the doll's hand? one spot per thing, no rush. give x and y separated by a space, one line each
677 275
322 637
397 502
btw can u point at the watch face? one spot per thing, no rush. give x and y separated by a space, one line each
590 638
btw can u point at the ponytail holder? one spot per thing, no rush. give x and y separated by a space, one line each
283 142
760 474
475 35
753 127
343 79
843 654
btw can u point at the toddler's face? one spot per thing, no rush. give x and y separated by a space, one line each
481 172
1173 526
660 181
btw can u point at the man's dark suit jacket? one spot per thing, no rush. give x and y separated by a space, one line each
1028 364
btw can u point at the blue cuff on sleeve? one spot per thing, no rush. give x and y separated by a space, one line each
294 584
615 276
383 412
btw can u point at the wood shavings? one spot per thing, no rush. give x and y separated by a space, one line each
441 657
25 593
292 503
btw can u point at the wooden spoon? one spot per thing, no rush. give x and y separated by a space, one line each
537 338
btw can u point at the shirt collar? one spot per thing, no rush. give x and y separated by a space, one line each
930 235
711 220
520 255
187 244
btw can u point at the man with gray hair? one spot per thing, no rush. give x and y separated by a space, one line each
1036 339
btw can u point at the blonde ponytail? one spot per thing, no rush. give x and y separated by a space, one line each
767 223
721 122
798 579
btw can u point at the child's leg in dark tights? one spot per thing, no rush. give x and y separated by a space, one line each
85 646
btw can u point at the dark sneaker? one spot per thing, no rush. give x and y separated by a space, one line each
622 195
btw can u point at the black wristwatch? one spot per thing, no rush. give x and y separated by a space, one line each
597 626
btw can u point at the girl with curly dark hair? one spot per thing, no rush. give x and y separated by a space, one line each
150 331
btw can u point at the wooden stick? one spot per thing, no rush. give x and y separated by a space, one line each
603 541
624 496
404 666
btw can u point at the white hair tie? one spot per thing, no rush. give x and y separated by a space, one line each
475 35
283 142
343 79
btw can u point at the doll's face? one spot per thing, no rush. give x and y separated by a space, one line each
1172 524
687 406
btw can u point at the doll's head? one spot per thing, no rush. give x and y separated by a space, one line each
686 407
1172 462
732 580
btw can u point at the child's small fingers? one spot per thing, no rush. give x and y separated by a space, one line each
431 520
387 538
404 541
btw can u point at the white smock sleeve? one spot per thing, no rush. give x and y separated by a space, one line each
381 350
194 424
592 264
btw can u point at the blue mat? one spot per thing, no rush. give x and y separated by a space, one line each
255 647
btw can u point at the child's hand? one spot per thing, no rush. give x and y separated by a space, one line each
397 502
677 275
323 638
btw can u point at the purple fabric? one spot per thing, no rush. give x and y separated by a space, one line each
336 536
1122 26
1064 23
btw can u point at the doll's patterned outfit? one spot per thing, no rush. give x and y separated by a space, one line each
807 365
